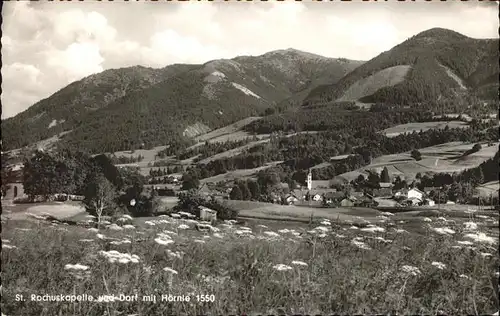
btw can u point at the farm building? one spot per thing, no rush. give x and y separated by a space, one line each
347 202
415 193
429 202
208 215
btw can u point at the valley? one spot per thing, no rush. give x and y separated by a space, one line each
285 173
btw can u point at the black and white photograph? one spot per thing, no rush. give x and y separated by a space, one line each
250 158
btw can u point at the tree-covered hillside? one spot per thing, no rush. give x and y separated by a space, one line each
441 61
128 108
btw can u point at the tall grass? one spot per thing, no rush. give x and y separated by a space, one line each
239 272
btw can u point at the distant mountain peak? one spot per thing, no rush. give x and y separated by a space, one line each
292 52
438 32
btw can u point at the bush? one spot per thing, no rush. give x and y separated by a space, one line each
415 154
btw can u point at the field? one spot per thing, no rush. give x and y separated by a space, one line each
229 129
417 127
447 157
149 155
237 174
385 78
386 266
488 189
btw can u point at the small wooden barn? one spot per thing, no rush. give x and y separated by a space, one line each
208 215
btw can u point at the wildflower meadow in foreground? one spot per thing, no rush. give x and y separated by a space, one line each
192 268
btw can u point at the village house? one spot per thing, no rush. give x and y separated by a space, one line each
413 201
401 193
333 197
415 193
291 199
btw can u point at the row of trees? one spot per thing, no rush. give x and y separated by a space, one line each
124 159
165 171
107 190
209 149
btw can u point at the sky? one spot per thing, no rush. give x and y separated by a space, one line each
48 45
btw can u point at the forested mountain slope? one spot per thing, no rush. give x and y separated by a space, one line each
133 107
437 64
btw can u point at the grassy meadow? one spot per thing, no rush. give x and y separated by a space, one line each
426 266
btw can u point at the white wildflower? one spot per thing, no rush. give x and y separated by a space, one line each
175 215
95 230
486 254
183 226
360 244
481 238
463 276
170 270
128 226
114 227
373 229
444 230
86 240
326 223
271 234
121 242
200 241
299 263
174 254
76 266
470 226
164 240
410 270
438 265
383 240
426 219
465 242
282 267
101 236
115 256
4 246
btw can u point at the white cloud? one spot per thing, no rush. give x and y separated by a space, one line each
76 61
12 75
54 45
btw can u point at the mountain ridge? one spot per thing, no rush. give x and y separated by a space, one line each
475 61
192 94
